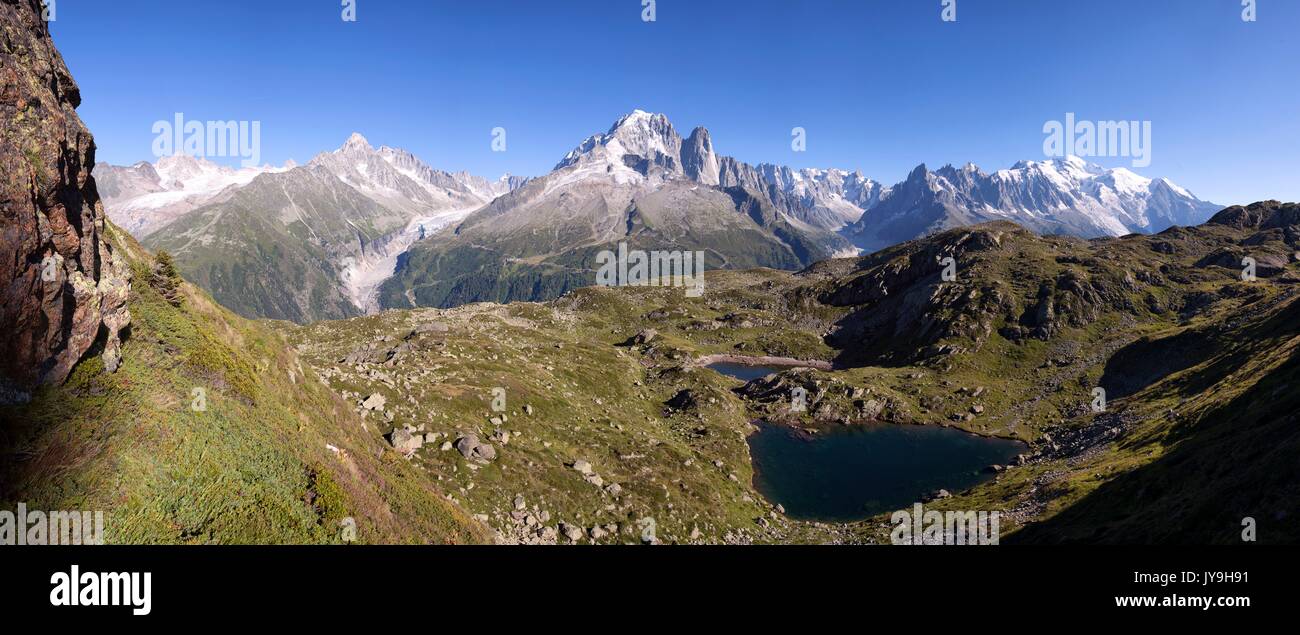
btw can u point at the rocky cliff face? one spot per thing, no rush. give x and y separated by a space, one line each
64 290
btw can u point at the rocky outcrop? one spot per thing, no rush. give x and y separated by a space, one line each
64 290
1261 215
699 159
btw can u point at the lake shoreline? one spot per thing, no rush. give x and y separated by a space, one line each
766 360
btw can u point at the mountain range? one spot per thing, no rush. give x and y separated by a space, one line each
1064 196
359 228
307 242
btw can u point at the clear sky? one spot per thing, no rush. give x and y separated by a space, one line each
879 85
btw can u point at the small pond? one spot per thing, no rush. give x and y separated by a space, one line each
744 372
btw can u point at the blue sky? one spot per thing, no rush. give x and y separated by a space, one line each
879 85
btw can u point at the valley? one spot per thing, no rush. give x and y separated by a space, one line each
641 430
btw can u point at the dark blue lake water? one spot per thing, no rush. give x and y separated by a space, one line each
850 473
743 372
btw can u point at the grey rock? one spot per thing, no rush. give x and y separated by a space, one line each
375 402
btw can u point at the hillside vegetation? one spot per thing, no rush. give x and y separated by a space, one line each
273 456
1197 433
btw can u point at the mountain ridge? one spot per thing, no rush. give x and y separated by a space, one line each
446 237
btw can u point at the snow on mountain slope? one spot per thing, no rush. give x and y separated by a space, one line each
335 226
1060 196
829 199
362 275
145 197
638 183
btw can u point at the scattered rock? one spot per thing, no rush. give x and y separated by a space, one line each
471 448
572 532
431 327
375 402
403 441
683 400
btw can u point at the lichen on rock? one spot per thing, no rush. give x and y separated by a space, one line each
64 290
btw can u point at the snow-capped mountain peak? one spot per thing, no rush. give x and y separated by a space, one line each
1058 196
639 136
356 142
400 181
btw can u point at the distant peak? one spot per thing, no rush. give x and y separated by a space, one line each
700 138
639 118
357 141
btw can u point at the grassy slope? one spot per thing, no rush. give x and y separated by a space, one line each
243 471
736 229
272 249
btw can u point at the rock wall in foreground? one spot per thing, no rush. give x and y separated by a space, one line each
62 288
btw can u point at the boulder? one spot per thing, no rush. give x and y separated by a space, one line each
405 442
430 327
375 402
471 448
572 532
